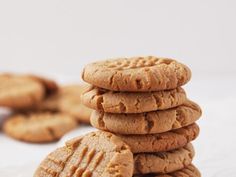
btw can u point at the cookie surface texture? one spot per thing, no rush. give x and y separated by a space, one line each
67 100
137 74
20 92
149 122
163 162
163 141
189 171
49 85
135 102
97 154
38 127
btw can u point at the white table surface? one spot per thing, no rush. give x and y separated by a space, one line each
215 147
69 34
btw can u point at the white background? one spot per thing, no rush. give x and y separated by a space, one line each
57 38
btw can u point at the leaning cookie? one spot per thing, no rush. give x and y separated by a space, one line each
38 127
149 122
135 102
19 92
97 154
163 162
163 141
137 74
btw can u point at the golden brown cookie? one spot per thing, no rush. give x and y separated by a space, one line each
97 154
72 105
135 102
67 100
149 122
163 162
137 74
19 92
188 171
49 85
161 142
38 127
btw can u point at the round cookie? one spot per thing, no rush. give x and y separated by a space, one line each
49 85
149 122
38 127
135 102
161 142
51 103
19 92
137 74
97 154
188 171
163 162
81 112
72 105
67 100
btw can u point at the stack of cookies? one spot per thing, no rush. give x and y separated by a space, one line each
141 101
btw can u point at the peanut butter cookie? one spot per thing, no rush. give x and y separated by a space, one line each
67 100
19 92
189 171
163 162
137 74
149 122
38 127
135 102
163 141
97 154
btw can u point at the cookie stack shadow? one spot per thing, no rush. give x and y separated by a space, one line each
141 100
